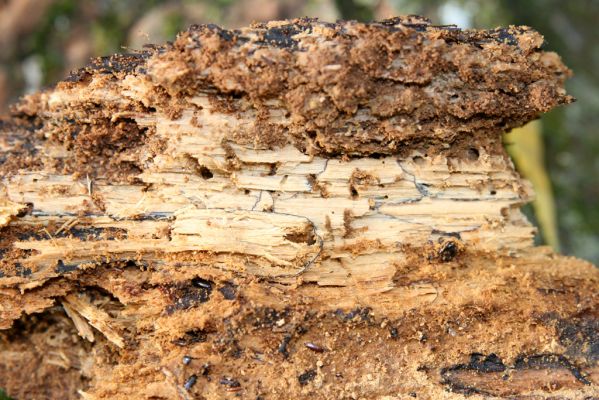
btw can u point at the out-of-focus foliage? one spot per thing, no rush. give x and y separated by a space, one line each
41 40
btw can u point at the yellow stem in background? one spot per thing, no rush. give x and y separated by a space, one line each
525 146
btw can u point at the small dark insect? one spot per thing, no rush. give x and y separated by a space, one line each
206 369
190 382
393 332
202 283
306 377
186 360
230 382
283 346
448 251
314 347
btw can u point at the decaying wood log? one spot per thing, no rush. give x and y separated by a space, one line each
292 210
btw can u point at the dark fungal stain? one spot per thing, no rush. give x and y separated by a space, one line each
306 377
229 291
579 334
222 33
94 233
22 271
505 36
23 236
281 36
191 337
363 313
62 268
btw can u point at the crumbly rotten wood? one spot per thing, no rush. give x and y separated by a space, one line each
296 209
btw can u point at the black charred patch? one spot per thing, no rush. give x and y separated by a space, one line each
579 334
280 37
478 362
306 377
492 364
504 35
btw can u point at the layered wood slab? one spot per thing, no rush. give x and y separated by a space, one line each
292 210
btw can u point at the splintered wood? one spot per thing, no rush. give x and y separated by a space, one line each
291 210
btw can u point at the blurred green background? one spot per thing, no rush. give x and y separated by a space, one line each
42 40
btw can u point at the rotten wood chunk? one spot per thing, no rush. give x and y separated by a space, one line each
295 209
